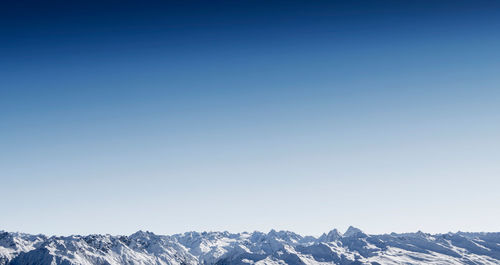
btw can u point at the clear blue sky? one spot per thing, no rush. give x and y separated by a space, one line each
249 115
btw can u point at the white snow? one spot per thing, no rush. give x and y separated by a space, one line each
257 248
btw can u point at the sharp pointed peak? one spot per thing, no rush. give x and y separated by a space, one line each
353 231
334 231
332 235
142 233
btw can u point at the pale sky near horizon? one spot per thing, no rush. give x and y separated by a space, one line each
296 116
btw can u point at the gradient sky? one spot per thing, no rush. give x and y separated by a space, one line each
244 115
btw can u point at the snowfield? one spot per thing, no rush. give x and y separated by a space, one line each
257 248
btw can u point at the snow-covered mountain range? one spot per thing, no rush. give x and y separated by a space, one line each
275 248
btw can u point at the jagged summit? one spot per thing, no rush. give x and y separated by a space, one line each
272 248
331 236
353 232
142 234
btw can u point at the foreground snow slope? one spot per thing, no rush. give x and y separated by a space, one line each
275 247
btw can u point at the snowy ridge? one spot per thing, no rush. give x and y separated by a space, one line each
273 248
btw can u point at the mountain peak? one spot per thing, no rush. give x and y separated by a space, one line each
331 236
142 234
353 231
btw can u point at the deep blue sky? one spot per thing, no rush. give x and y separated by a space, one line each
249 115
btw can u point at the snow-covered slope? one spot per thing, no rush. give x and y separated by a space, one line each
275 248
